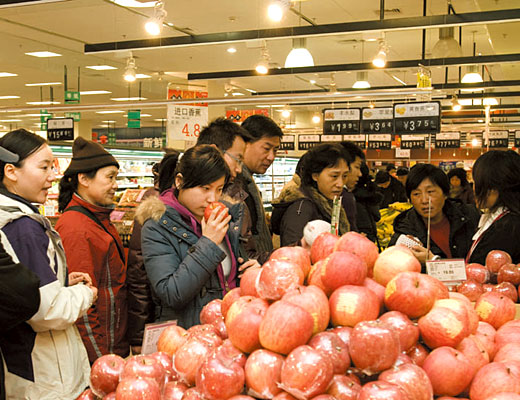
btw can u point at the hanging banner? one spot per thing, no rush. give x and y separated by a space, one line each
287 142
340 121
517 139
380 142
359 140
185 122
241 115
377 120
498 139
417 117
412 142
306 142
177 94
447 140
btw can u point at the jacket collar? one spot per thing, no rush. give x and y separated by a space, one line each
19 199
168 197
100 212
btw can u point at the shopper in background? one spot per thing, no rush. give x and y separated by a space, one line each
188 259
392 171
348 200
45 357
258 157
496 175
141 306
460 188
401 175
390 188
367 204
93 245
324 174
452 224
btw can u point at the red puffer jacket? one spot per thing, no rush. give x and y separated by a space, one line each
89 248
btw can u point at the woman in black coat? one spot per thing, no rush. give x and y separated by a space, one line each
367 204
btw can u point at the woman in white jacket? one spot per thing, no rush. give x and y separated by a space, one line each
45 357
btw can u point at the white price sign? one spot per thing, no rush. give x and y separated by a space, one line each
151 335
185 122
449 271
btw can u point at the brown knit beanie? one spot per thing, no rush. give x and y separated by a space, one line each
88 156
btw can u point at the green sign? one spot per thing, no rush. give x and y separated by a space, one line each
75 115
134 123
111 137
44 116
134 114
134 118
71 97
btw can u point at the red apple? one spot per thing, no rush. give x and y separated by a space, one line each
263 368
488 287
334 348
226 349
486 334
412 379
230 297
174 390
219 378
508 333
352 304
295 254
212 314
381 390
144 367
474 351
243 322
87 394
171 339
379 290
392 261
248 282
142 388
496 259
207 333
285 326
471 289
105 373
507 289
403 358
216 204
344 388
477 272
343 332
314 300
462 308
494 378
112 396
241 397
323 246
407 331
509 273
508 352
192 394
495 309
167 363
324 397
189 358
359 245
418 354
374 346
306 373
504 396
284 396
342 268
443 327
449 370
277 277
314 277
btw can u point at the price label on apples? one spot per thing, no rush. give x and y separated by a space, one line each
185 122
449 271
151 335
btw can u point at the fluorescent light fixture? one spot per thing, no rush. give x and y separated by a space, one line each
231 50
43 84
277 9
480 121
9 97
6 74
110 112
43 54
36 115
142 115
142 76
237 94
42 103
128 98
100 67
10 120
89 92
490 101
361 81
109 122
472 76
447 46
299 56
379 60
134 3
160 119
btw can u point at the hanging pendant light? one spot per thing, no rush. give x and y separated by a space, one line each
299 56
361 81
472 75
447 46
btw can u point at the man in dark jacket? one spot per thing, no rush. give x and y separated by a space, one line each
348 200
390 188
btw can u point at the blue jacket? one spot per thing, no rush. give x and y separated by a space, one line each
181 267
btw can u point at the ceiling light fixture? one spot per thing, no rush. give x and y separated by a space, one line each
276 10
89 92
371 104
286 113
379 60
447 46
134 3
100 67
128 98
9 97
316 118
231 50
263 65
110 112
154 25
299 56
472 75
6 74
43 54
42 103
361 81
43 84
490 101
130 68
455 105
142 76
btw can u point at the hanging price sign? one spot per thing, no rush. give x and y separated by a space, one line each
517 139
447 140
60 129
331 138
185 122
417 117
380 142
498 139
412 142
358 140
339 121
306 142
377 120
287 142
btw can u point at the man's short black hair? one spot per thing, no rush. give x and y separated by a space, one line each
420 172
402 171
260 126
222 133
389 167
382 177
353 151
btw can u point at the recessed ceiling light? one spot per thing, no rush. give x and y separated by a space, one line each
87 92
231 50
128 98
100 67
160 119
10 120
43 84
42 103
43 54
6 74
142 76
109 122
9 97
134 3
110 112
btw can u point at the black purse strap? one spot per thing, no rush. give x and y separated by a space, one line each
92 216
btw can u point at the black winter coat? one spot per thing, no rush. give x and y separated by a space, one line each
367 205
395 192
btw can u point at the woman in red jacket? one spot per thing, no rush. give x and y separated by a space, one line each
93 245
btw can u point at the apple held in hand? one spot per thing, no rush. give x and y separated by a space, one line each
216 204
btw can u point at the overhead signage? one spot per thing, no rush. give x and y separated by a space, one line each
400 153
359 140
241 115
377 120
287 142
185 122
380 142
306 142
177 94
412 142
72 97
447 140
517 139
498 139
60 129
134 118
331 138
417 117
340 121
75 115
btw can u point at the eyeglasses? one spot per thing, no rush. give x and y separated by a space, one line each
237 160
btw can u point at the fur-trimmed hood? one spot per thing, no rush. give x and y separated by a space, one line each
150 208
290 192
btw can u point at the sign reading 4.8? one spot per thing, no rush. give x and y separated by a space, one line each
191 130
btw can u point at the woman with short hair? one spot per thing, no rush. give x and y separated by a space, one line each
460 188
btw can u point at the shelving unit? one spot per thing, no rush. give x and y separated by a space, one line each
271 183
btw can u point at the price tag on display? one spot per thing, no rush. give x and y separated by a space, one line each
447 140
498 139
340 121
151 335
378 120
287 142
380 142
417 117
450 271
185 122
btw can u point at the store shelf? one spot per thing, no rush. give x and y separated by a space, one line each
271 183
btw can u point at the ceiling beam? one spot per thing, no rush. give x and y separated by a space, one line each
387 25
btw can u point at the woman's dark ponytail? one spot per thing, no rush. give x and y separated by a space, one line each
69 185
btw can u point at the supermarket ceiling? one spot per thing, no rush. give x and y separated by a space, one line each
192 51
